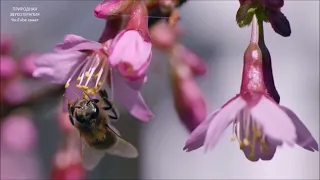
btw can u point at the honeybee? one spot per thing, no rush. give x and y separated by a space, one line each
92 119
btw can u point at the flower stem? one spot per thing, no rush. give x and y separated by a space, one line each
254 31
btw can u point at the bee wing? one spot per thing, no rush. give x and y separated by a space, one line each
90 156
123 148
114 129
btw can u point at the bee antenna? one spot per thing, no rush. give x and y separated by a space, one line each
85 93
77 96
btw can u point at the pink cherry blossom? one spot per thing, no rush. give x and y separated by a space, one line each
130 51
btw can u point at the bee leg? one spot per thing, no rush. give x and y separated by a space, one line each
71 120
115 115
104 94
110 107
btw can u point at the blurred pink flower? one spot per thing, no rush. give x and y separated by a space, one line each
193 61
259 123
67 162
27 64
18 144
188 98
111 7
162 35
8 67
18 133
82 65
15 92
130 50
6 44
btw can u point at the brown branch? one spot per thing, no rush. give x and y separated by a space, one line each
33 99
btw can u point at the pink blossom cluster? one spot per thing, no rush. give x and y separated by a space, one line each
119 61
18 132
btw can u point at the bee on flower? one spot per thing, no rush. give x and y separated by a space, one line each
120 64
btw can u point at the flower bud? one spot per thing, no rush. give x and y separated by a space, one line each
111 7
188 98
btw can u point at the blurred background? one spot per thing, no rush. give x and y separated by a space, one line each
211 32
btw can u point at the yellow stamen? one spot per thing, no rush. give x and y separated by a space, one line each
233 138
246 142
67 85
87 74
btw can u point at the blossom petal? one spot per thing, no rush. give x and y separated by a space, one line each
196 138
305 138
196 64
269 154
222 120
74 42
131 99
57 67
275 123
130 47
137 84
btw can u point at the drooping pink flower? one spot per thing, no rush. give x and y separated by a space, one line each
259 123
188 98
109 8
130 51
83 66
